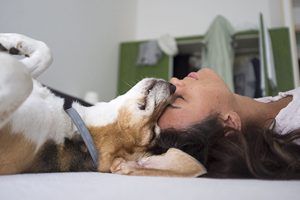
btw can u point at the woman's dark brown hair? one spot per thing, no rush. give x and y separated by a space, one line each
254 152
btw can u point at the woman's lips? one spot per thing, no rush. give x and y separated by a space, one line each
193 75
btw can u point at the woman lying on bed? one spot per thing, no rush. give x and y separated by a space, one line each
232 135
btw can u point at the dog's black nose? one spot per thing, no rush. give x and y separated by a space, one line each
172 88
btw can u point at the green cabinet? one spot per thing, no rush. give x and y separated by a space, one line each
130 72
282 59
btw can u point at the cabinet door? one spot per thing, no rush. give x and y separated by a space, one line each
130 73
282 58
279 46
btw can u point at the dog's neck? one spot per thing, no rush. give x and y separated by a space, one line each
98 119
101 114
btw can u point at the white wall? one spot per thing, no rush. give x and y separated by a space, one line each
193 17
83 36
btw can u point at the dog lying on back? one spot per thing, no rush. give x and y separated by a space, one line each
37 135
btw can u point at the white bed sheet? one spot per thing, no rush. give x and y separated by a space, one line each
110 186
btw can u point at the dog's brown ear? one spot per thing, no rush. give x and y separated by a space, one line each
176 161
172 163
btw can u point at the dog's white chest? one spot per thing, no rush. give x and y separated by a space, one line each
41 117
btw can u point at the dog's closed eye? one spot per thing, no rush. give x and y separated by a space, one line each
142 107
143 104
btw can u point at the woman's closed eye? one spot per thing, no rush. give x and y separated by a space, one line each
176 103
173 106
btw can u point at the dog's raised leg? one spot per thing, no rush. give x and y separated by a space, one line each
37 54
16 76
15 86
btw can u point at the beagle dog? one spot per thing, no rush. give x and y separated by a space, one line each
38 135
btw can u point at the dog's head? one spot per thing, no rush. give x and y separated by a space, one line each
142 107
131 122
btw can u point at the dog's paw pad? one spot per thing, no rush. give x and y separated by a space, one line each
14 51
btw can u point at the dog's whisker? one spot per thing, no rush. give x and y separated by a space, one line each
128 84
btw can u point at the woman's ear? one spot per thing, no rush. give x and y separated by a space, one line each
232 120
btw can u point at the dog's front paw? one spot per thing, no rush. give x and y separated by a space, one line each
37 54
116 164
121 166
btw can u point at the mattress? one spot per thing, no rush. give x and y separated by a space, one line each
111 186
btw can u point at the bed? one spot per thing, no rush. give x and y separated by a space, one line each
91 185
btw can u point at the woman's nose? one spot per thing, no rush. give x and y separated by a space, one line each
176 82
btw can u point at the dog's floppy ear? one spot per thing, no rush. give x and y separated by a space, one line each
172 163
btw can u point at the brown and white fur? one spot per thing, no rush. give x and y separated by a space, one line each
36 135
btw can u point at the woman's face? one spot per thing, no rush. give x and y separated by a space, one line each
198 95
